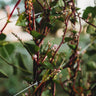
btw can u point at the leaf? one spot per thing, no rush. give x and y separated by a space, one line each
28 79
2 43
48 65
61 19
89 10
37 35
2 37
31 48
91 66
74 31
53 3
38 19
46 93
72 46
73 20
20 61
21 20
9 48
14 70
61 3
77 8
91 29
3 74
67 39
91 52
53 12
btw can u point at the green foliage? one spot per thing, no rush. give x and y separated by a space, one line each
52 63
48 65
37 35
67 39
6 49
22 20
3 74
72 46
2 37
53 3
9 48
31 48
89 10
20 61
91 66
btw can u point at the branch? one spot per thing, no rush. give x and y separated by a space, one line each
10 16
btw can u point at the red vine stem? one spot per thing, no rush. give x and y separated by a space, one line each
66 23
10 16
87 21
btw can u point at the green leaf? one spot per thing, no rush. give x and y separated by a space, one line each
72 46
14 70
89 10
46 93
61 19
91 66
73 20
21 20
48 65
77 8
3 74
2 43
28 79
6 49
31 48
2 36
53 3
91 52
37 35
91 29
67 39
53 13
9 48
74 31
20 61
60 3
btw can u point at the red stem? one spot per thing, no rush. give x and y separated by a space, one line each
66 23
10 16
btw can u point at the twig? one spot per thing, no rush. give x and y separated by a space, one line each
26 89
10 16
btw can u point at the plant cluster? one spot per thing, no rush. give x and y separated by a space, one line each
49 64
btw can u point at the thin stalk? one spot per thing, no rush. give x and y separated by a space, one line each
10 16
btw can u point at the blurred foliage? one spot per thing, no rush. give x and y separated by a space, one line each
20 71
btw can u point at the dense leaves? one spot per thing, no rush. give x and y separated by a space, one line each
89 11
50 65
